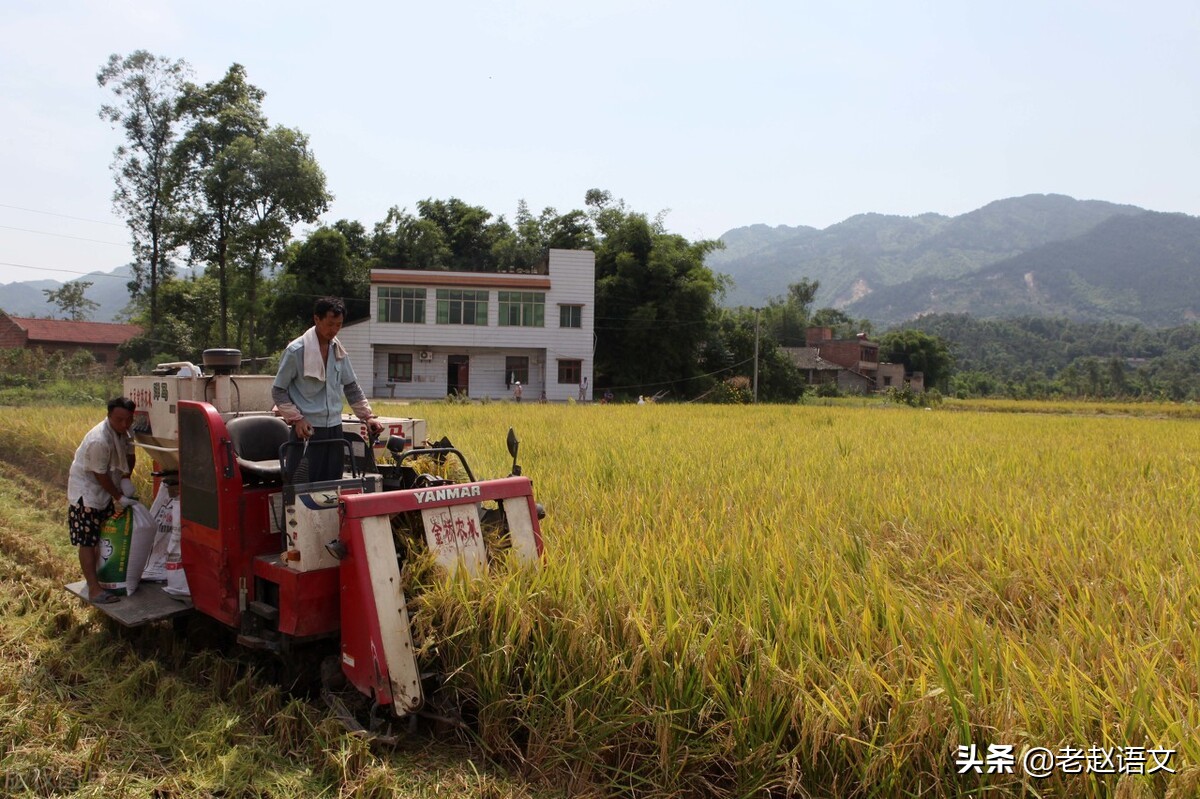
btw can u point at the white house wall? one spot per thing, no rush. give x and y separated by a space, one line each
572 282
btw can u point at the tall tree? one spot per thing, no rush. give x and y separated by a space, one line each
285 186
250 184
225 118
147 89
655 300
785 318
71 299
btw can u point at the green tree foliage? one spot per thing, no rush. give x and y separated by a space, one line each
188 324
468 232
1037 357
325 263
247 184
919 352
286 186
730 352
454 235
655 301
403 241
785 318
71 299
222 116
147 89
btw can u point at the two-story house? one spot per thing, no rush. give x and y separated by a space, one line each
436 333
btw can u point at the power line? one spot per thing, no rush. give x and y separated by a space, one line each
64 236
64 216
68 271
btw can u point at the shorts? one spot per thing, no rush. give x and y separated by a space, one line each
85 523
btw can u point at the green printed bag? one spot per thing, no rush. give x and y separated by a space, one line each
115 537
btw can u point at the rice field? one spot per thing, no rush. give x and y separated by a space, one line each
814 601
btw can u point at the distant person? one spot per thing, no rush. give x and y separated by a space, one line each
583 387
641 400
518 391
314 373
104 458
608 396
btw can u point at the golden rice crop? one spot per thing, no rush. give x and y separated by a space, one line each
828 601
832 600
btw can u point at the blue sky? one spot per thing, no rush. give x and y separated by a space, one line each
727 114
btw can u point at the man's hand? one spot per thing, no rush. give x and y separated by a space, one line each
304 430
375 426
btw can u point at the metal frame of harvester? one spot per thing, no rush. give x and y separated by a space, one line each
286 564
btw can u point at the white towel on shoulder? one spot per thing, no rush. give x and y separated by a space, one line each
314 365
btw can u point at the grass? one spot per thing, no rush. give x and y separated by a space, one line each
809 601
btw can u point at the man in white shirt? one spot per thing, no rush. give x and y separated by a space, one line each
103 459
314 373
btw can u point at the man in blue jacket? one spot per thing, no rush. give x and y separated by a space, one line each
313 375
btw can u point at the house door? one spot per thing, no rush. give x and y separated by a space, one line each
457 367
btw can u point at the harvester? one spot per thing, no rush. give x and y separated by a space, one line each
296 567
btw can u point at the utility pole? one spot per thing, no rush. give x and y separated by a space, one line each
755 356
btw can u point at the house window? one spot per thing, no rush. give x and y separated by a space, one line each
570 372
399 367
570 316
516 368
402 305
522 309
461 307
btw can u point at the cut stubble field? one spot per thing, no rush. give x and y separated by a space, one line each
809 601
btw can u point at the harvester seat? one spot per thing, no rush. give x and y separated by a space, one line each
256 442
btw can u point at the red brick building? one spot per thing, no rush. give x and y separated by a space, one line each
60 335
858 359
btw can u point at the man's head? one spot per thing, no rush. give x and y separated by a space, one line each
328 315
120 413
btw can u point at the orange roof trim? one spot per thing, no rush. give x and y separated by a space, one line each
459 279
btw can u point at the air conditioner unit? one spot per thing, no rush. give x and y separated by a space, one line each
426 355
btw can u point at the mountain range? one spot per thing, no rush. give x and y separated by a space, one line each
1037 255
109 290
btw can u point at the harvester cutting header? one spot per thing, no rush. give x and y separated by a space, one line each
283 560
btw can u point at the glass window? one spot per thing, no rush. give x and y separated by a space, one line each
570 372
461 307
516 368
399 367
402 305
522 309
570 316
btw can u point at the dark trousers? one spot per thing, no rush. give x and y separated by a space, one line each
321 460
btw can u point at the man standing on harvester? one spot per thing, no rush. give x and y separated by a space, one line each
104 458
314 373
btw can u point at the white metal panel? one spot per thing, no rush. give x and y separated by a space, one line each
455 535
310 523
392 609
520 530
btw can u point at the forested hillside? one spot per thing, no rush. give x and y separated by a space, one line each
1039 358
869 252
1140 268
